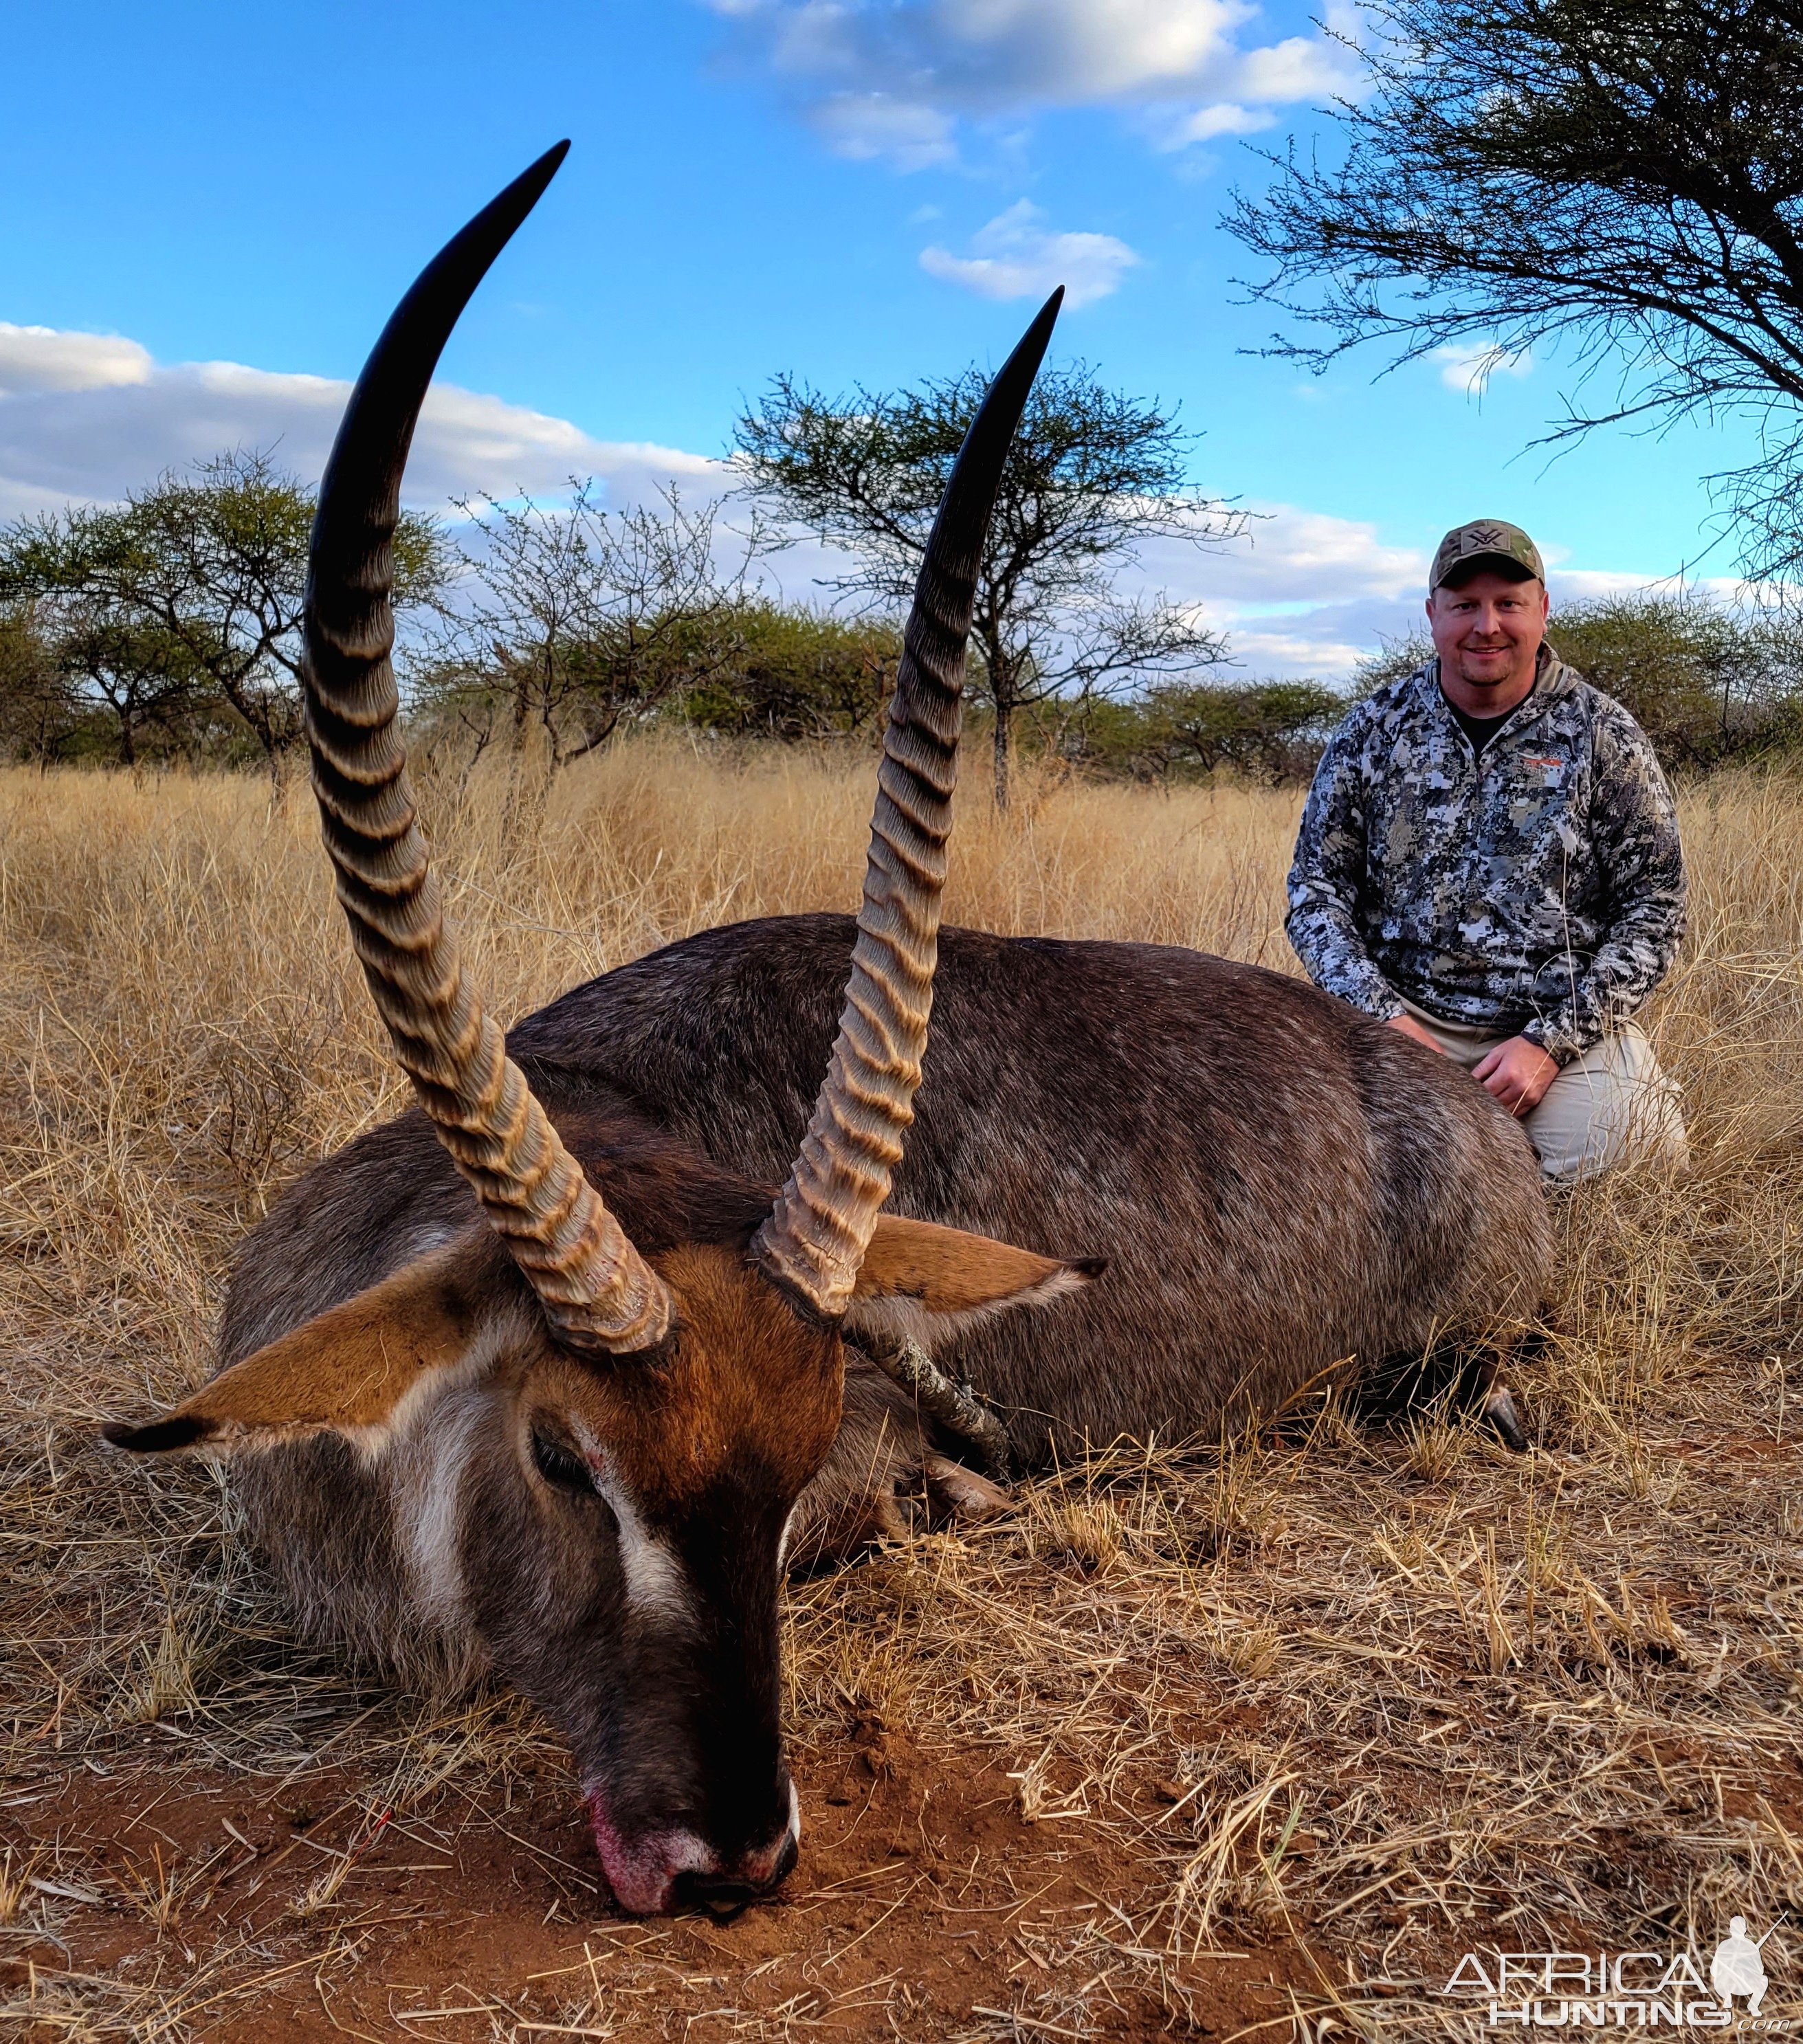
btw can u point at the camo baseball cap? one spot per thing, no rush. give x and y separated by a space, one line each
1486 540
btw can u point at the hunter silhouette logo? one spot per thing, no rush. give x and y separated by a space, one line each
1623 1990
1737 1967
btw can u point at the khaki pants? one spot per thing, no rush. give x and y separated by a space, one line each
1612 1105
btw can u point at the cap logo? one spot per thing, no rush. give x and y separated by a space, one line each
1494 537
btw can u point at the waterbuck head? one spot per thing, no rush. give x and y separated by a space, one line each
593 1445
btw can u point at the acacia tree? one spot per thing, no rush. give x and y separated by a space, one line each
576 617
1619 176
40 704
1268 730
1091 476
208 569
140 673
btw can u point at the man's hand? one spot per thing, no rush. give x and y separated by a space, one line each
1517 1073
1409 1027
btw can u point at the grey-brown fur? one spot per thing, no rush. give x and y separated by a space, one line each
1277 1182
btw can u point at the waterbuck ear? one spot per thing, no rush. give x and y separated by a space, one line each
348 1369
919 1279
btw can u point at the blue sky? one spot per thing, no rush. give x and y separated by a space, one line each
207 211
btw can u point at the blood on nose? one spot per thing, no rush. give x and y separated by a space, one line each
726 1894
653 1872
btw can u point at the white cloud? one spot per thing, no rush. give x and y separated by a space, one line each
1294 556
1299 67
991 55
90 416
1223 118
1315 653
1467 366
1016 257
889 78
40 357
1304 593
866 124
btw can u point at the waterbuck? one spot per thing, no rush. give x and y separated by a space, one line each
566 1429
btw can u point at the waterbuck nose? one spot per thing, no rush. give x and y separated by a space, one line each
676 1868
717 1894
787 1854
726 1894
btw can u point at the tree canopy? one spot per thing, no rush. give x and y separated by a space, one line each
1618 177
184 602
1092 475
798 674
1265 731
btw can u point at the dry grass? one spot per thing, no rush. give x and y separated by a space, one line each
1365 1697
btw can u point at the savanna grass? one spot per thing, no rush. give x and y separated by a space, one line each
1382 1694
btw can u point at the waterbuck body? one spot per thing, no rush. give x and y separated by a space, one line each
1276 1182
548 1376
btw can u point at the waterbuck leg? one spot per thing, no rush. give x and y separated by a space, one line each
959 1493
954 1407
1496 1401
1503 1414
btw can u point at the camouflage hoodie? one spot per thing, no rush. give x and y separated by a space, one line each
1537 890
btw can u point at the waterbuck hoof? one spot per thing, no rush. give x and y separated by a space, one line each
959 1494
1504 1415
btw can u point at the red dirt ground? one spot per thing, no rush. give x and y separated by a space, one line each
923 1906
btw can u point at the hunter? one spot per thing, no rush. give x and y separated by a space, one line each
1489 862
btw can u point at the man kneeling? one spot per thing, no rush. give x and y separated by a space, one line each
1489 862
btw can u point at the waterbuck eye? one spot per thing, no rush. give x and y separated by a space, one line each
557 1464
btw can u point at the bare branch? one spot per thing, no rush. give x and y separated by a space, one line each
1617 179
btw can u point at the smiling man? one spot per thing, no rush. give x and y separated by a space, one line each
1489 862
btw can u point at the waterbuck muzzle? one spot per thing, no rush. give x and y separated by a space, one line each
595 1414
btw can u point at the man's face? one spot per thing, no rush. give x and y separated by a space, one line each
1487 632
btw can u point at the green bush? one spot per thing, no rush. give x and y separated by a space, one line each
1269 730
796 674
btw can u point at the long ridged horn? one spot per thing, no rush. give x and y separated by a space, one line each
597 1292
815 1237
